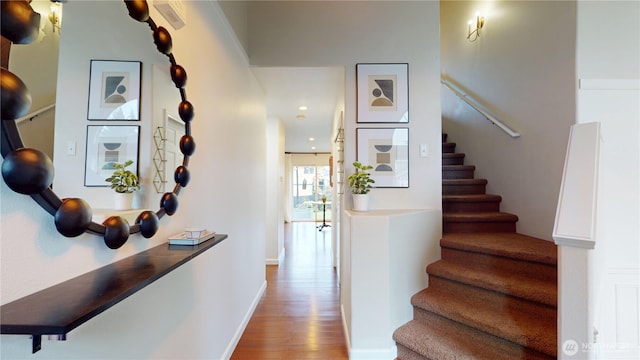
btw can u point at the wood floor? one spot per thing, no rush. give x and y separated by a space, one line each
299 314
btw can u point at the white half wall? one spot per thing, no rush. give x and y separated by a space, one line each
384 258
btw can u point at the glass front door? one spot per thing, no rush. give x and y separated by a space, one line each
309 185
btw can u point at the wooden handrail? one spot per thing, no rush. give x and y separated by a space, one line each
479 108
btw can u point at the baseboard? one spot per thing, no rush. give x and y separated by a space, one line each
347 336
243 325
365 354
373 354
277 261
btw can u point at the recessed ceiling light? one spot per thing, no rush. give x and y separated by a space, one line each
300 117
302 108
313 148
312 139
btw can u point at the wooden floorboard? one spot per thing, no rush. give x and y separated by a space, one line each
298 317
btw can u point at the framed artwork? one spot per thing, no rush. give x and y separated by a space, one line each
382 93
387 150
107 145
114 90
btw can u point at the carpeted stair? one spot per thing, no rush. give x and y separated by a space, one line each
493 295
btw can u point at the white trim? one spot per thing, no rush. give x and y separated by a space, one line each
624 270
278 261
245 321
222 18
376 354
576 211
609 84
345 328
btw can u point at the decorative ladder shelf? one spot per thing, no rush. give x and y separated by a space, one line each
61 308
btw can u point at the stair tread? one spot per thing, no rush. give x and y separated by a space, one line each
471 197
448 147
511 245
438 341
453 154
498 280
458 167
523 328
493 216
464 181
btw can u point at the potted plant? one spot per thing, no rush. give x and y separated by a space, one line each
124 182
360 184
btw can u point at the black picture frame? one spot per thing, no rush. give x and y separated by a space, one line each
387 150
114 90
382 93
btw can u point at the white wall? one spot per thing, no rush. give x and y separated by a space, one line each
197 311
522 69
343 33
275 183
608 92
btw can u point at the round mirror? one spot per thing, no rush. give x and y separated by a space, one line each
37 66
29 171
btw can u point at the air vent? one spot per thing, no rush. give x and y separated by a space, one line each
173 11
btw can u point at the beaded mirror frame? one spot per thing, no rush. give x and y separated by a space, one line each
29 171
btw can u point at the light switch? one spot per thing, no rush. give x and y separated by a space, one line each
424 150
71 148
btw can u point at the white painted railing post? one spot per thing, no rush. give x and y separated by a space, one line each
574 233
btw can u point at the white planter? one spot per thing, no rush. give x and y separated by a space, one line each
360 202
122 201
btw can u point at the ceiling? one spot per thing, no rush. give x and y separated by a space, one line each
321 90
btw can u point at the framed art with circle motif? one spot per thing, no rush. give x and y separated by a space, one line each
387 150
114 90
106 146
382 93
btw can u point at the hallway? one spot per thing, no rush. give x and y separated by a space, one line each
299 315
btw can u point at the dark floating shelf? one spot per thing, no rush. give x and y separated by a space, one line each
61 308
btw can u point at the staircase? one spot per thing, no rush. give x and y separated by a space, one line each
493 295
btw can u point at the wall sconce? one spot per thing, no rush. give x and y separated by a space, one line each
55 16
475 34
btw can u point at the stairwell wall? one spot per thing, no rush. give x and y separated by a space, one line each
522 69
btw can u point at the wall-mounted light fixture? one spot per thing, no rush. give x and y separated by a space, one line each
55 16
474 34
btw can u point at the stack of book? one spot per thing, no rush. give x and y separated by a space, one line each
182 238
